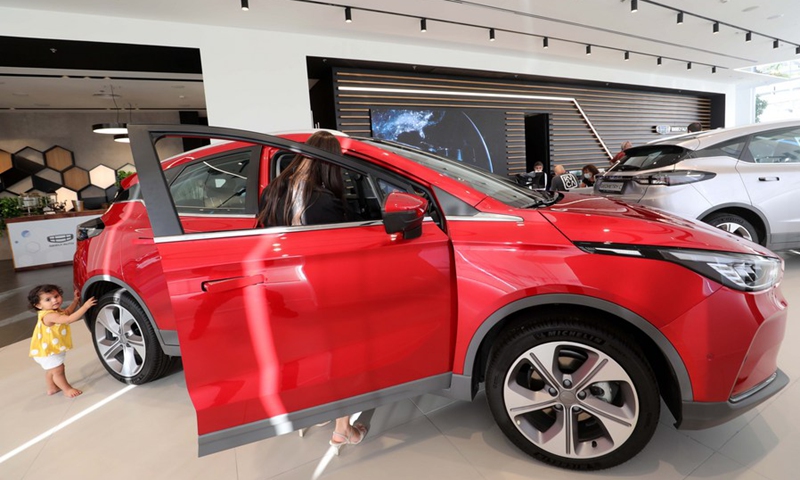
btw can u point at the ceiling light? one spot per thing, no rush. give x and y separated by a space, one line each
113 128
658 61
348 15
423 25
634 6
545 42
627 56
775 44
688 65
680 18
122 139
491 34
588 49
245 5
715 29
748 37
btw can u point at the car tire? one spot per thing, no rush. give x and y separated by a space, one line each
734 224
125 341
572 393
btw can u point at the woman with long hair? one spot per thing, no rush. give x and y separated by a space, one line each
311 192
307 191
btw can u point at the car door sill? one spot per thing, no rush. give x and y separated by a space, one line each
281 424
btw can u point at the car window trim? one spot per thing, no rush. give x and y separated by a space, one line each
189 237
165 221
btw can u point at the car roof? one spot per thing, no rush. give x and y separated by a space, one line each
698 140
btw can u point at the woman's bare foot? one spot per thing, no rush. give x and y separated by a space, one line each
53 390
72 392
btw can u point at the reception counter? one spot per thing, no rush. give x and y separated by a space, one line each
42 241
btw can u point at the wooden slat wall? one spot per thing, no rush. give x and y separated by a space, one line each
617 115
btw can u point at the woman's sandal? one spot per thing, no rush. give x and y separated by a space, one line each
347 439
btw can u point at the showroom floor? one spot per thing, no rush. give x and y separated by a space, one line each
125 432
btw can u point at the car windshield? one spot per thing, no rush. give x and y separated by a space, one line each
648 157
498 187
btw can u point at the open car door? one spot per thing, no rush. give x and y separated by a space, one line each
281 328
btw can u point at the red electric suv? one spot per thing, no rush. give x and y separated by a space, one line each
575 313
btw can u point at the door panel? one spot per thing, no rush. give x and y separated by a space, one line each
282 327
340 312
770 170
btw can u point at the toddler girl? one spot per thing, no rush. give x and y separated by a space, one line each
52 337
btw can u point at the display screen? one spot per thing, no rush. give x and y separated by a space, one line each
473 136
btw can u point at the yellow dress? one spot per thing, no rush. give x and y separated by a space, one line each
52 340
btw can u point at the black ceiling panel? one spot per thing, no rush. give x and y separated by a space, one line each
69 54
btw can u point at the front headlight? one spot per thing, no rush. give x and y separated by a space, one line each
735 270
740 271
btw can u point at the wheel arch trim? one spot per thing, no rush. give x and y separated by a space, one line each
167 339
743 206
672 356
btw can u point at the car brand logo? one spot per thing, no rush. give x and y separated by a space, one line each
60 238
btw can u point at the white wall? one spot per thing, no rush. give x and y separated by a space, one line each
257 79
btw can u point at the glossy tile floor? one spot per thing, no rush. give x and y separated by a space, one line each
149 431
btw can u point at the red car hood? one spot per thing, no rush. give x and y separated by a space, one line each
585 218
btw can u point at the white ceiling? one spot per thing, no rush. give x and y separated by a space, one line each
608 25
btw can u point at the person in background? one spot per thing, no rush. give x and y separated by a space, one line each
694 127
537 176
52 336
563 181
589 172
311 192
625 145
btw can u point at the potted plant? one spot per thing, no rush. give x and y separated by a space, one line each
9 208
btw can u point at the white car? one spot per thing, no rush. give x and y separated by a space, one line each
745 180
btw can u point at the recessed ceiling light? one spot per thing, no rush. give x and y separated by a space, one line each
750 9
775 17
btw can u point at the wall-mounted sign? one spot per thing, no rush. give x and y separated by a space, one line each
669 129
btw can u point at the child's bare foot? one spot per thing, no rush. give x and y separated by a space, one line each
53 390
72 392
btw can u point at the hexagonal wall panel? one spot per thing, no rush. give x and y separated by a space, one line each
5 161
59 158
13 175
102 176
50 175
8 195
45 186
91 192
26 165
22 186
32 155
64 194
76 178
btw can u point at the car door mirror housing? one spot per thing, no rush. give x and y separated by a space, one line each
403 213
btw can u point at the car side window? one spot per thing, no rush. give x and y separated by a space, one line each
776 147
212 186
731 148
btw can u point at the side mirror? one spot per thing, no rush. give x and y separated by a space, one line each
403 213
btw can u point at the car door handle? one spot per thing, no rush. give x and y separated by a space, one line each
768 179
216 286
